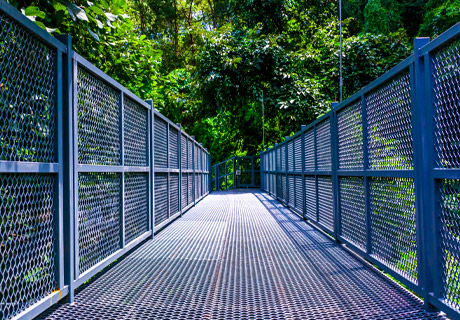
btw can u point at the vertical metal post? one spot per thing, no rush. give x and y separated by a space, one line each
179 157
366 181
59 180
286 169
122 163
432 214
194 170
168 164
236 163
304 195
68 162
152 167
76 237
335 180
419 134
315 151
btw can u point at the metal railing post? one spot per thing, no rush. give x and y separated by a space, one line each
68 168
304 196
367 202
334 161
151 163
286 169
179 158
122 163
427 217
194 170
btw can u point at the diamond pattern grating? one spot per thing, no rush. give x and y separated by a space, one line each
241 255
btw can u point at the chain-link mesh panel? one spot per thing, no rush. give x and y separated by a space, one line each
309 143
283 187
283 157
161 143
392 205
135 131
184 188
183 152
352 209
161 197
446 75
98 217
310 197
27 260
298 193
98 121
449 202
190 155
389 125
298 153
173 148
323 146
350 135
173 193
290 155
136 205
291 189
27 95
325 205
190 188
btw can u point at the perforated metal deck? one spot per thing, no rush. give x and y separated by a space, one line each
241 255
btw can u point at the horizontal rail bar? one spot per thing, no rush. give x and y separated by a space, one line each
28 167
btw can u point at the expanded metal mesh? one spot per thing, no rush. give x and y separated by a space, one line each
392 205
323 146
297 149
352 210
27 95
173 148
27 256
161 143
325 205
310 198
173 193
309 143
242 256
98 112
298 197
136 205
99 213
135 131
161 197
449 202
389 125
350 136
446 76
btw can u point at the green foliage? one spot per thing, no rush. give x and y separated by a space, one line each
212 64
440 16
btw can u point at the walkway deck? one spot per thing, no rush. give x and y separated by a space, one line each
241 255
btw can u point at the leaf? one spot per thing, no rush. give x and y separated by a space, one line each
77 12
51 30
93 34
34 12
59 6
110 16
96 10
100 25
40 24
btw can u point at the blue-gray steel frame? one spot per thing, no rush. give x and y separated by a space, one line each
66 167
235 161
425 174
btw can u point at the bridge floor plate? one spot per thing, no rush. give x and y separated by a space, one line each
241 255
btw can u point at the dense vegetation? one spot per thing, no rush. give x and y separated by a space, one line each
212 64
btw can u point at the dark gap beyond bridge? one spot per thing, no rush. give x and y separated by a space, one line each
241 255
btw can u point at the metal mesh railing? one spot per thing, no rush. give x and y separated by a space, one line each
77 184
30 206
381 172
236 172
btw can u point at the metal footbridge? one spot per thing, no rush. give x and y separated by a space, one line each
241 255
